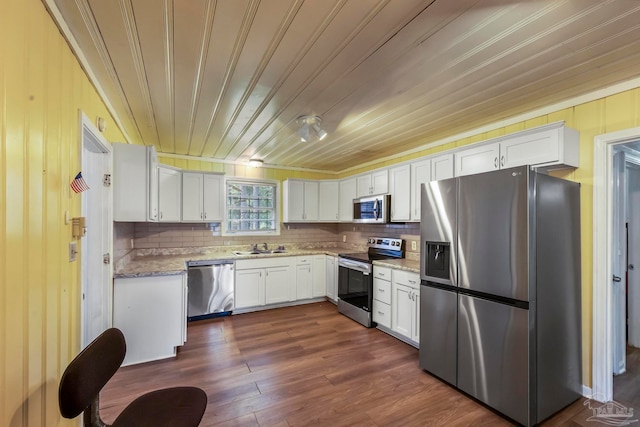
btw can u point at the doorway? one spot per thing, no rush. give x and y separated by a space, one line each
626 301
96 245
611 207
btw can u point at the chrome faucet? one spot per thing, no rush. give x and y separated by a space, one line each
265 246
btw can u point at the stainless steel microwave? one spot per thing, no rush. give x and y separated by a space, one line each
373 209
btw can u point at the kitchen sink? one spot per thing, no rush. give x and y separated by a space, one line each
259 252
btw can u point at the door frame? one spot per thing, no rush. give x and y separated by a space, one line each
602 298
99 142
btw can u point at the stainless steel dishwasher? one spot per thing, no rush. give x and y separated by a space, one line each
211 288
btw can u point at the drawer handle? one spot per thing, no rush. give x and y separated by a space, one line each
380 312
381 290
412 281
380 274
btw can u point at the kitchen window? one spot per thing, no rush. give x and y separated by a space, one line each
251 207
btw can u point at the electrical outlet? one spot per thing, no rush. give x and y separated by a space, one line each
344 238
414 245
131 243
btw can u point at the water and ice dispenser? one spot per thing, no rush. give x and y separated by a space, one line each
437 260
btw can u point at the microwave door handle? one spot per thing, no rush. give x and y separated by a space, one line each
375 209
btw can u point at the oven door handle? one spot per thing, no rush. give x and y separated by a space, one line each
354 266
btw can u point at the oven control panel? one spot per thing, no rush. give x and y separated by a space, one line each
385 243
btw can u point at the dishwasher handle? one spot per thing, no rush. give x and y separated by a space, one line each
207 263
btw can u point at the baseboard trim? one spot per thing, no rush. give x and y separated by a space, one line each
586 391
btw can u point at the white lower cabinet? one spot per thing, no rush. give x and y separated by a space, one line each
405 304
263 281
318 276
151 313
331 277
304 278
382 296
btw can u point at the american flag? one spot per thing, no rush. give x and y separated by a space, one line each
78 185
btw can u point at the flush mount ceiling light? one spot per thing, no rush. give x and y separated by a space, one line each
256 163
309 124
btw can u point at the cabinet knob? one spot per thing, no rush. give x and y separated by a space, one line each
495 162
502 161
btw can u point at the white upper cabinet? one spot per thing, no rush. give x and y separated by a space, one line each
169 194
442 167
420 173
480 159
328 203
135 183
348 192
551 146
373 183
300 200
202 199
400 184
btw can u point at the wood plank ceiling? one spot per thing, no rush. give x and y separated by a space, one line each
227 79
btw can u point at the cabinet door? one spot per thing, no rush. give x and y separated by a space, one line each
304 282
442 167
152 170
347 194
293 200
420 173
415 315
537 148
149 312
318 273
276 284
311 189
328 201
169 194
212 197
380 182
130 183
330 277
400 180
402 319
363 185
250 286
192 188
479 159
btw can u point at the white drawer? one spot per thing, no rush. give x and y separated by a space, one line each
383 273
406 278
382 313
382 290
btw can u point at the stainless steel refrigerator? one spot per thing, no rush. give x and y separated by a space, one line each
500 296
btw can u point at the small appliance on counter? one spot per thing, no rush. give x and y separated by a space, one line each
355 279
210 289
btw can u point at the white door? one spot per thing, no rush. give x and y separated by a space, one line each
96 253
633 255
619 263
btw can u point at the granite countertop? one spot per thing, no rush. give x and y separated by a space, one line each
167 265
400 264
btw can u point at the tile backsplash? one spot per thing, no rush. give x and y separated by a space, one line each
147 235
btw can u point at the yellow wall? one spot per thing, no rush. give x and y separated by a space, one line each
42 88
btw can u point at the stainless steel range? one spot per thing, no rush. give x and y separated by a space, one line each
355 279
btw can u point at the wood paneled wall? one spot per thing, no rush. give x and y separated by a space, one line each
42 90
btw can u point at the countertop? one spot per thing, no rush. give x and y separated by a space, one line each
400 264
167 265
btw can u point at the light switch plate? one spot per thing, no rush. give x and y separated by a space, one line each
73 251
414 245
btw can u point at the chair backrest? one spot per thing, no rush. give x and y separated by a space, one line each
85 376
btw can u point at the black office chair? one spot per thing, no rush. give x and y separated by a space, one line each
87 374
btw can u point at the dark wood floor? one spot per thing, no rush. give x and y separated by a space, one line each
308 365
